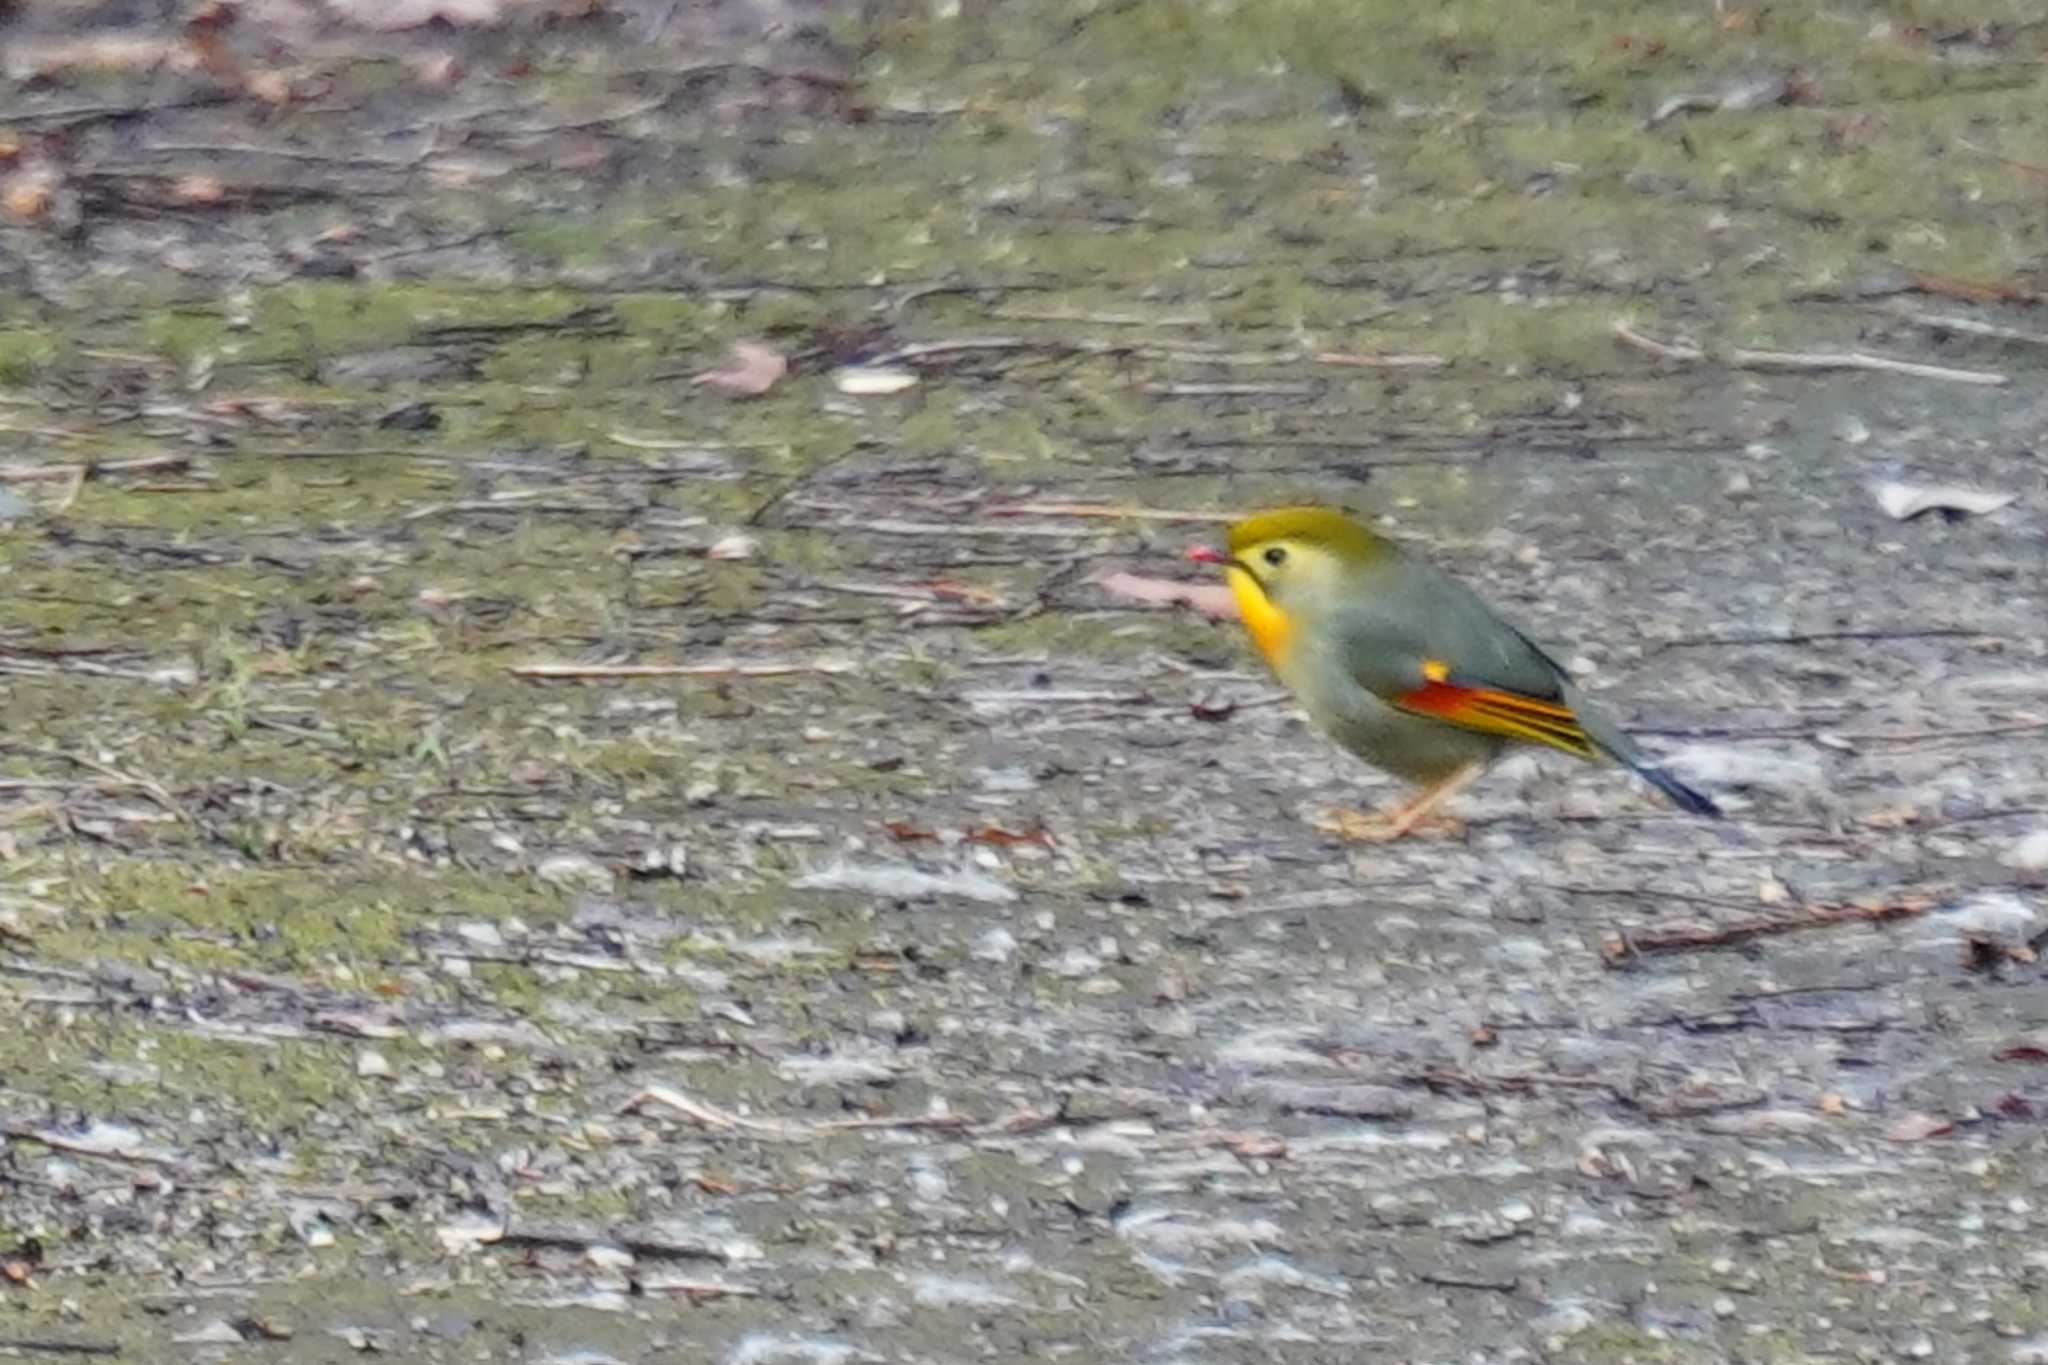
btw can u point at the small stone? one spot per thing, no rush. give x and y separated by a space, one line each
370 1062
605 1257
2030 854
480 934
996 945
700 793
1517 1211
1737 487
574 868
1724 1307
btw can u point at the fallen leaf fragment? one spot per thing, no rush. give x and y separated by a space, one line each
467 1230
2028 1047
1916 1127
28 196
1250 1145
1904 501
1004 838
439 72
1211 599
755 370
197 189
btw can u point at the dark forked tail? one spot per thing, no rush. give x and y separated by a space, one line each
1623 750
1682 796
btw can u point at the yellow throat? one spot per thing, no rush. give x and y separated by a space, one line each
1270 629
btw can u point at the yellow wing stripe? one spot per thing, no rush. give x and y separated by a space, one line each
1513 715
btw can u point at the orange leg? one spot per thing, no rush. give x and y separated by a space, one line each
1383 826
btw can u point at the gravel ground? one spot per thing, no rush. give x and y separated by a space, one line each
937 962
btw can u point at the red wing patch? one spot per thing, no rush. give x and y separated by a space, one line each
1512 715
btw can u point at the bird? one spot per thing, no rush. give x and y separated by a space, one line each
1404 666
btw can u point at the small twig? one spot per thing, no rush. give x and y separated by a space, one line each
1942 736
1816 637
1620 946
80 470
1805 360
32 1347
1099 319
1232 390
1462 1282
211 150
700 1289
710 1115
725 1121
1943 322
717 670
1100 509
945 1122
58 1142
1420 360
1978 291
152 789
636 442
892 526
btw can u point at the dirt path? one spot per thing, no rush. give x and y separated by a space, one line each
925 954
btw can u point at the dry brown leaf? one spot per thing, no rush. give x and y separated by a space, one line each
272 87
197 189
1004 838
29 196
1249 1145
1833 1103
963 592
1211 599
2027 1047
439 72
1917 1127
755 370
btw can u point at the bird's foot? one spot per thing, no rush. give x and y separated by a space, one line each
1380 827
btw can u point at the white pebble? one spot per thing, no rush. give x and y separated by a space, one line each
2030 854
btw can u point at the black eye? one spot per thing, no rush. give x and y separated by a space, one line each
1276 556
